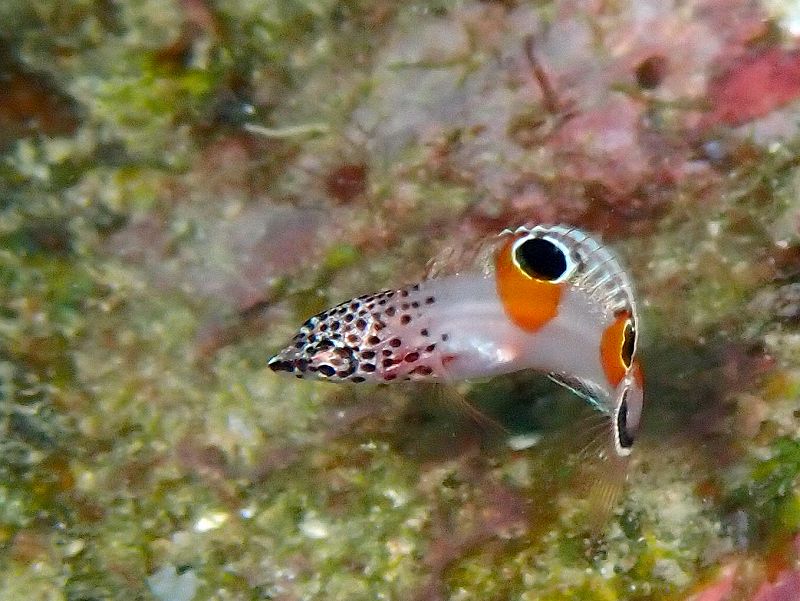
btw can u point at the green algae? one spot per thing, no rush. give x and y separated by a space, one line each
769 494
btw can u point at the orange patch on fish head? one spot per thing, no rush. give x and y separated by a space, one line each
529 301
616 348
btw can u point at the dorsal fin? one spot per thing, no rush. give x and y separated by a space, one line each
476 256
598 271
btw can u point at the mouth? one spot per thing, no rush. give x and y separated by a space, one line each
277 363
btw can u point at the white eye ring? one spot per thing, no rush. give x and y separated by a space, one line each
567 269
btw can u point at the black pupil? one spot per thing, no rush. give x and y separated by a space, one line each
625 439
628 343
541 259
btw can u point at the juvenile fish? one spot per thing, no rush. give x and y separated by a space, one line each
548 298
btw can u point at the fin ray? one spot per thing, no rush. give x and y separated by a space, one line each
586 390
453 260
598 272
451 396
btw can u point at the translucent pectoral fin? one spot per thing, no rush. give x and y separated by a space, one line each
604 474
599 473
453 397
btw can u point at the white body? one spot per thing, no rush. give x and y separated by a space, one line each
480 340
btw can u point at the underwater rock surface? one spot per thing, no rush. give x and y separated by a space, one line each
183 182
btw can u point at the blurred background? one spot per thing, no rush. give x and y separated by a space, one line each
184 182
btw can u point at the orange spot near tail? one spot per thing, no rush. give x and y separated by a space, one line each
611 344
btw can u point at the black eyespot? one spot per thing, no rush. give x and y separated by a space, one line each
628 344
625 438
541 259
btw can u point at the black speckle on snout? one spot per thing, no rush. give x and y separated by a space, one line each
276 364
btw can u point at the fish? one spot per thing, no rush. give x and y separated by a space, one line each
548 298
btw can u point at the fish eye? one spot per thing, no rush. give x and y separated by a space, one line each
540 258
628 344
625 437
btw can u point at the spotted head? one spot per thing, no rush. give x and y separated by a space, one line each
381 337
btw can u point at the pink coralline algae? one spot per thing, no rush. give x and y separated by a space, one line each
785 588
753 86
721 589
